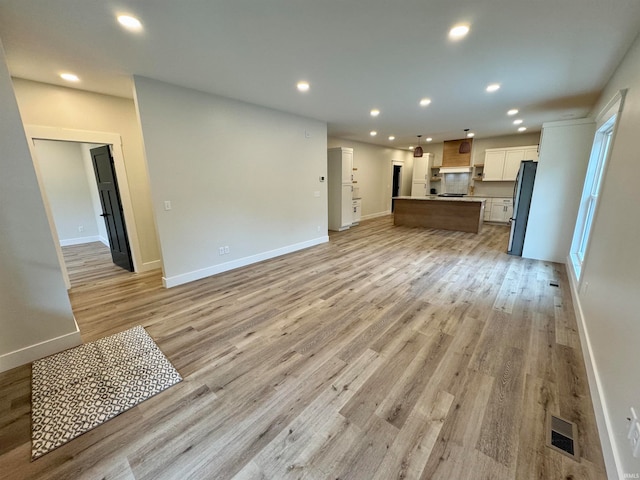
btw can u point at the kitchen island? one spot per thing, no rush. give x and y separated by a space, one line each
464 214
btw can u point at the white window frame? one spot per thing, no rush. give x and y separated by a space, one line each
606 124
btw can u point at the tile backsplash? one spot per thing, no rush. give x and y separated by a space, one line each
456 182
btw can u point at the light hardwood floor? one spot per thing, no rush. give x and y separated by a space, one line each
388 353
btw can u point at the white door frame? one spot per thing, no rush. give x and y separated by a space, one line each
39 132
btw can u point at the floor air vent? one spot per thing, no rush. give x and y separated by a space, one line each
562 436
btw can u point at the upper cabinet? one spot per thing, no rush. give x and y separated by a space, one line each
421 175
421 168
347 164
493 165
502 164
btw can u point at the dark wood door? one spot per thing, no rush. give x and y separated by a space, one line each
112 212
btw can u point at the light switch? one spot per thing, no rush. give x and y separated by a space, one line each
316 194
167 205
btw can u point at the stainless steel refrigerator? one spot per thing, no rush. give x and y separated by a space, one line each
522 193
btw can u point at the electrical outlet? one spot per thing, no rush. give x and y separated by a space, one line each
226 249
634 433
80 229
316 194
167 205
221 250
636 436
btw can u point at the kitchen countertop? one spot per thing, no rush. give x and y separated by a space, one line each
444 199
489 196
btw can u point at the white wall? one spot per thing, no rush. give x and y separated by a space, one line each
236 174
63 174
35 313
609 297
374 174
562 165
85 151
53 106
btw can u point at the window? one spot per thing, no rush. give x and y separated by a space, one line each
600 153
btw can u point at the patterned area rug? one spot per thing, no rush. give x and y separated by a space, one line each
76 390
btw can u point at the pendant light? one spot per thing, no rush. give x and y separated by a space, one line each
465 146
417 152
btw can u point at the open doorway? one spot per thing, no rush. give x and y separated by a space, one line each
35 133
396 182
84 220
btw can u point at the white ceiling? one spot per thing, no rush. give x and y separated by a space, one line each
552 57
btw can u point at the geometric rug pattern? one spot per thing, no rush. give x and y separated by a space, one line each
76 390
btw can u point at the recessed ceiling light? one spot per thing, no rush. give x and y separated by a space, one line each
517 122
391 137
375 112
458 31
303 86
127 21
493 87
522 129
69 77
513 111
424 102
471 134
373 133
429 139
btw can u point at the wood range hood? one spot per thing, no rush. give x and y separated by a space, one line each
451 156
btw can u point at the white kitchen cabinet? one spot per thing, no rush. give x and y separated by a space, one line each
531 153
502 164
346 212
501 210
347 165
421 175
340 187
487 209
419 189
421 166
493 165
512 162
356 213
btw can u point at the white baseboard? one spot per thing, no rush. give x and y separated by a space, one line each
28 354
611 457
104 241
183 278
376 215
148 266
80 240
